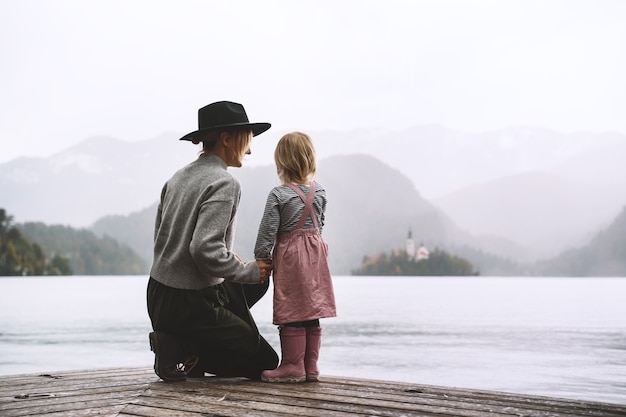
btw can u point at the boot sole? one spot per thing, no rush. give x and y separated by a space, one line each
312 378
154 346
287 380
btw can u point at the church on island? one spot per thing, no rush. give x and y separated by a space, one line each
415 261
419 254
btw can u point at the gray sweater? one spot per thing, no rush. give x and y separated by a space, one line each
195 226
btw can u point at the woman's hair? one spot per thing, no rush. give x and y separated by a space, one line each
242 138
295 158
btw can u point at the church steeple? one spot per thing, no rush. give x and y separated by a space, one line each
410 245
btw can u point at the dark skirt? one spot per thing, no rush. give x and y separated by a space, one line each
215 323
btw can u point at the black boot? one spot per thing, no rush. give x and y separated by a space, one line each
194 369
169 354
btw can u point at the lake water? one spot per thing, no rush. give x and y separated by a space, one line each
563 337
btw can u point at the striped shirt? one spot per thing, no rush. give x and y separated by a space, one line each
282 213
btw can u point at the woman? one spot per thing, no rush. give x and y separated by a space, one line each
199 292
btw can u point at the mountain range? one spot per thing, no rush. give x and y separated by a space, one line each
523 194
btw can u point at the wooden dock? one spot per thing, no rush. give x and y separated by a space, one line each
138 392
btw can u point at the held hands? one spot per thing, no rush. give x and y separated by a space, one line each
265 269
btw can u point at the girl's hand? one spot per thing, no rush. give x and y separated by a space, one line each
265 269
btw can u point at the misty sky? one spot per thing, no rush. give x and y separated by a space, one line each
136 69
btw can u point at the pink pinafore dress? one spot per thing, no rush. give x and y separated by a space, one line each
303 288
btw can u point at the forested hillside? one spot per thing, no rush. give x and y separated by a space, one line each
605 255
19 256
134 230
86 253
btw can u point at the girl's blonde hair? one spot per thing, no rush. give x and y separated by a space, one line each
295 158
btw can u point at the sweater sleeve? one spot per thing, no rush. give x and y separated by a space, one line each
159 214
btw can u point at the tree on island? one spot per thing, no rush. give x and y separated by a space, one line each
438 263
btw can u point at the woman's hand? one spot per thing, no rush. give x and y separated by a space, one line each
265 269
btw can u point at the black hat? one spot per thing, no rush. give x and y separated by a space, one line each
223 115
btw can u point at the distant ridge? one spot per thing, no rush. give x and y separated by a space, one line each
484 183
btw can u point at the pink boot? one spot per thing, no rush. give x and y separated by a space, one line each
313 342
292 345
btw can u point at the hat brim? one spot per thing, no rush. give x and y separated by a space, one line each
257 129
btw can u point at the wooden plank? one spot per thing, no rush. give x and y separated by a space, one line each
306 399
332 394
75 393
470 396
138 392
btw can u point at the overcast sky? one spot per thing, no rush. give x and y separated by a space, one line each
135 69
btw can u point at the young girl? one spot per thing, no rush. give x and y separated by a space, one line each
290 236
